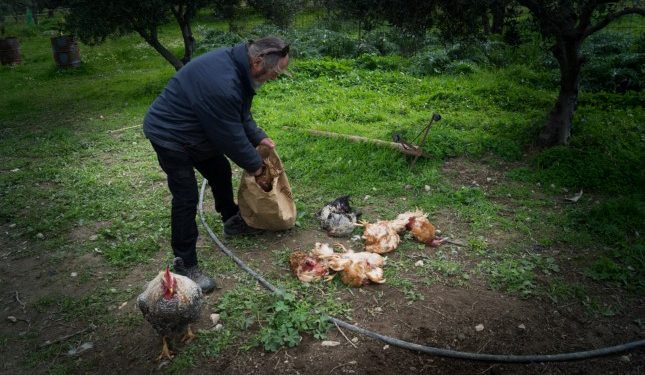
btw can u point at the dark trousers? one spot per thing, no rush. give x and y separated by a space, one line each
179 167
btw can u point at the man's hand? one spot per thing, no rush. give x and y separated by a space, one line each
268 142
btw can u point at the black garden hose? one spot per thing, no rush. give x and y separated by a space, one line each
499 358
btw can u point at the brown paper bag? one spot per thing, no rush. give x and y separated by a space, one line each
270 210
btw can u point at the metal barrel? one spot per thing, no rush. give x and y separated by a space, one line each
10 51
66 52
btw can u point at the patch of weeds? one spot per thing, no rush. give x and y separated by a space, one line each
183 362
3 341
478 246
33 358
281 317
408 289
445 267
512 275
605 269
597 307
216 341
559 290
287 316
281 256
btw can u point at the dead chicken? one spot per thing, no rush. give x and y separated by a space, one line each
418 224
269 173
170 304
306 267
357 269
338 218
380 237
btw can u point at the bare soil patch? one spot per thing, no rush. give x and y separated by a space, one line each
444 317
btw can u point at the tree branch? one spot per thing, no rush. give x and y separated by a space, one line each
611 17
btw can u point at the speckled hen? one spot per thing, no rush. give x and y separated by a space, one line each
170 303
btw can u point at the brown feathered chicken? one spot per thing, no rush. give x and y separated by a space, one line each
357 269
269 172
418 224
380 237
307 267
170 303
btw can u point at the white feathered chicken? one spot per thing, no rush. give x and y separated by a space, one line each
170 304
381 237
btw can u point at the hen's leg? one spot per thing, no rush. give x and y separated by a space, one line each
165 351
188 336
437 241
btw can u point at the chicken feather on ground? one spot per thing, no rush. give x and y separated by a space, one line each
170 303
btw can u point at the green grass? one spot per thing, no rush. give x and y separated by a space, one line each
75 161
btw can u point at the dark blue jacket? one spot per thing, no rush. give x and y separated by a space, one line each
206 109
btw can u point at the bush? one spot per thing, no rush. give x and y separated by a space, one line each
213 38
429 61
615 62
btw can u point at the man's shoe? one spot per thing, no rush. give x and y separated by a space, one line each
194 273
235 226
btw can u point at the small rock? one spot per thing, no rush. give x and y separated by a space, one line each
373 189
215 318
408 187
625 358
521 326
123 305
366 197
355 340
94 237
218 327
73 274
426 188
488 179
404 198
112 290
386 347
15 170
419 263
330 343
12 319
461 336
479 327
378 309
40 236
12 225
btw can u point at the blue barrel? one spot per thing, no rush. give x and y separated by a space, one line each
66 53
10 51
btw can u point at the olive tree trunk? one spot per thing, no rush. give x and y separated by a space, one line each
557 129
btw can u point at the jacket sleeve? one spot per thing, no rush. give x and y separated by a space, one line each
221 117
252 130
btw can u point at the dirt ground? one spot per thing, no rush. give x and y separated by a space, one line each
445 318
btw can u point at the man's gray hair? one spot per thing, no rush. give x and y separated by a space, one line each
270 49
